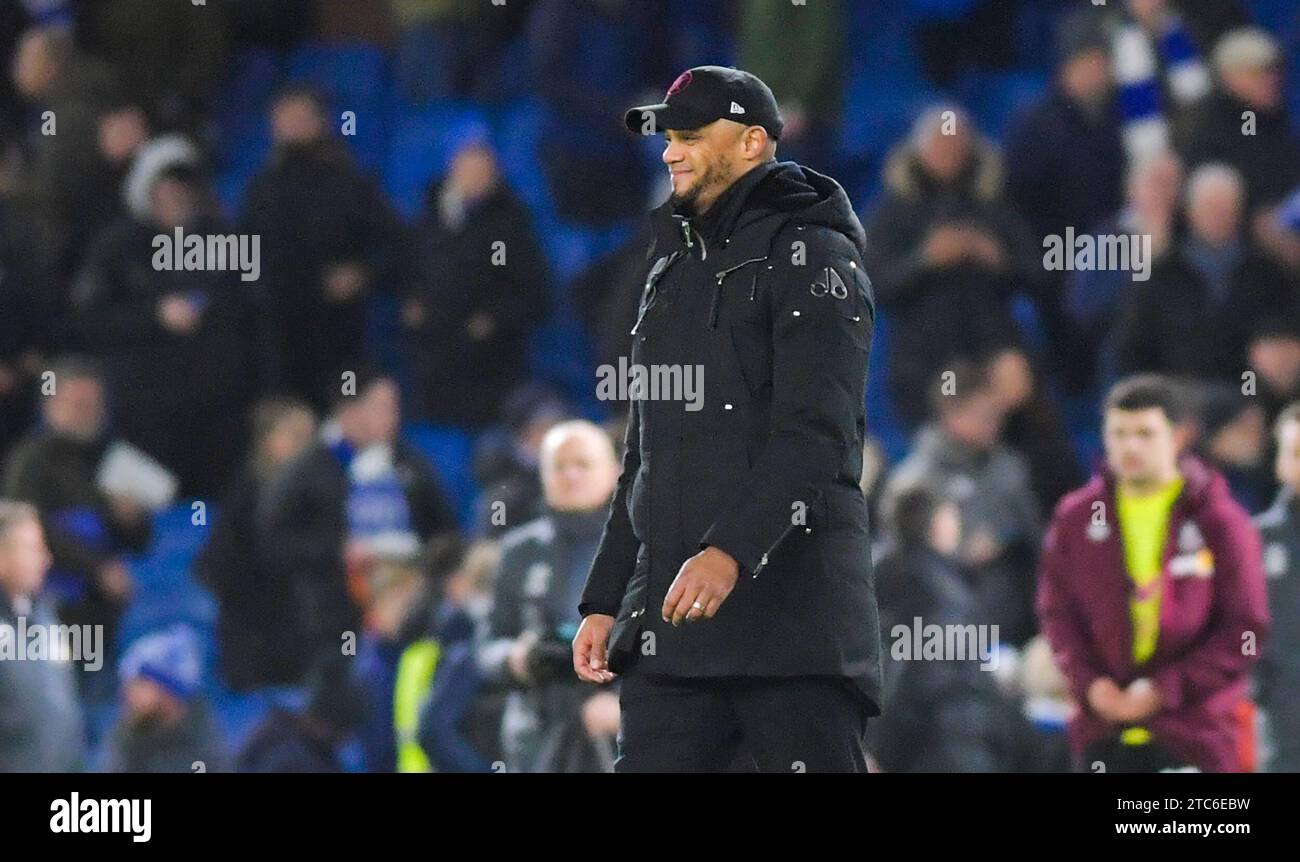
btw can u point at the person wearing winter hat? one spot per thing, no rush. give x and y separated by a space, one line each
166 724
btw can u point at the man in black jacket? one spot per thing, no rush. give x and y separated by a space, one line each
735 567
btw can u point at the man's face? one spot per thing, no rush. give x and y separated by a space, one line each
1141 445
944 156
148 703
374 416
1260 88
24 558
1288 455
174 202
296 120
579 473
76 408
976 421
1087 77
702 163
1214 213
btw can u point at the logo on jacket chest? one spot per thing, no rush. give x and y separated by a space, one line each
1193 558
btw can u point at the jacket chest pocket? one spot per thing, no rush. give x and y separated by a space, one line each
745 297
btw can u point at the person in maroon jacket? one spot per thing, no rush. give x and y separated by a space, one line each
1151 593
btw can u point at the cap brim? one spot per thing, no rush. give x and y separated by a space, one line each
664 117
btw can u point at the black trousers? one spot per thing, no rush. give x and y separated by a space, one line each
740 724
1118 757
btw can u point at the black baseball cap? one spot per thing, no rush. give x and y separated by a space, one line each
707 93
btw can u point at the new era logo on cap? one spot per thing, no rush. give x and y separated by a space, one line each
704 94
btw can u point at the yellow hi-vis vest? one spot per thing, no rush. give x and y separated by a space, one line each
410 692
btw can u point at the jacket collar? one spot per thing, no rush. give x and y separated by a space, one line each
672 228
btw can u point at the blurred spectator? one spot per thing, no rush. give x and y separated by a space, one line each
169 54
1032 427
360 491
946 255
177 339
68 187
1209 296
1150 579
941 716
809 92
480 289
1278 677
460 723
166 724
256 619
589 60
1232 437
41 723
55 467
1245 121
1065 161
505 459
1161 74
1275 359
317 272
553 722
394 661
1154 187
21 334
308 740
960 454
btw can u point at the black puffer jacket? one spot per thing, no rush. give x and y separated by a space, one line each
766 294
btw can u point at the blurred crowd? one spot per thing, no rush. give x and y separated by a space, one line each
403 624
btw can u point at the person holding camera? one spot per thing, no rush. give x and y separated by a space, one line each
553 722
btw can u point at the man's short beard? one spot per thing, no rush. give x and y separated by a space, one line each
688 204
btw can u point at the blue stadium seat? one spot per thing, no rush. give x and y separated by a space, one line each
451 450
421 146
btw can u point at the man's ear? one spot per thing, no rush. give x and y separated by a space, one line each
756 139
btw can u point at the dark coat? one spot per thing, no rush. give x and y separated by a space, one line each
256 622
1269 160
302 527
462 380
1172 324
1065 168
314 209
1213 594
940 716
190 415
938 314
1279 666
767 293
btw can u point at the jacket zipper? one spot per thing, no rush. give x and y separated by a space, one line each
779 539
717 289
651 287
762 563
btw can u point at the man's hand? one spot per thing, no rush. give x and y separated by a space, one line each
589 646
600 715
114 579
1142 700
1106 699
517 658
701 586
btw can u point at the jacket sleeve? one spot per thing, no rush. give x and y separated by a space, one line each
820 346
616 555
1059 615
1240 607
